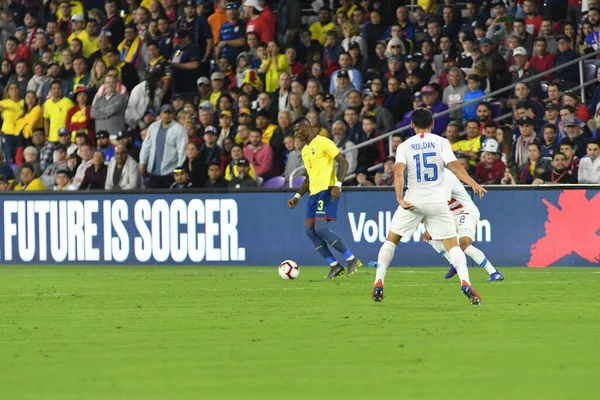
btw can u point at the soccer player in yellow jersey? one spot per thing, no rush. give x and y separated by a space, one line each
319 155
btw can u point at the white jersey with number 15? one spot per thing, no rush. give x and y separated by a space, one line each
426 156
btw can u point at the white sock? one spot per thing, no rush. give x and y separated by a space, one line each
439 247
459 261
478 256
386 254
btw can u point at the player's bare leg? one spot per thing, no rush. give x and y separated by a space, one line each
322 248
384 259
459 261
466 243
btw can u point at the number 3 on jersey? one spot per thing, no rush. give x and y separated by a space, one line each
426 168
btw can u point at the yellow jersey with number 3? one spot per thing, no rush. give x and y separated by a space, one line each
318 157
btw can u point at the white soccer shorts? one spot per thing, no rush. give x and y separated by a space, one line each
437 217
466 225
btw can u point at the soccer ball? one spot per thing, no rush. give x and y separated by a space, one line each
289 270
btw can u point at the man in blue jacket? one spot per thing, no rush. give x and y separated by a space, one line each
570 75
433 104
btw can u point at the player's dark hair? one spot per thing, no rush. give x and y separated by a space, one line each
299 120
558 154
422 118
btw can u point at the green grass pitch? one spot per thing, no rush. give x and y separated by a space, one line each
244 333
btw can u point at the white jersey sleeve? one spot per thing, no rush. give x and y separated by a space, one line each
460 201
426 156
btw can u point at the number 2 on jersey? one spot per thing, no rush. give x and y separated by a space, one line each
427 167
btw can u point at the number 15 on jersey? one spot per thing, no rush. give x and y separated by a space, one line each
427 171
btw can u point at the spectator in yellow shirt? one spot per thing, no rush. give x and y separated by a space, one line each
11 109
347 7
273 66
319 28
32 117
29 181
55 111
473 141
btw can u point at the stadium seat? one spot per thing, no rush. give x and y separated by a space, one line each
274 183
298 181
589 72
496 109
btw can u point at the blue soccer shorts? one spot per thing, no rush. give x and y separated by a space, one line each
321 206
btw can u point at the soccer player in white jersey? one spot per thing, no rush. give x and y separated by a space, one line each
466 217
425 157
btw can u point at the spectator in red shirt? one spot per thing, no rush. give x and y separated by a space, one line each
257 22
533 21
581 111
14 52
541 59
259 154
297 69
491 169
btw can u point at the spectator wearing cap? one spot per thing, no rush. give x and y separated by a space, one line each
182 179
523 69
78 31
163 149
243 178
342 90
218 88
573 128
108 110
490 170
433 104
569 77
496 62
226 125
474 92
114 23
64 139
29 181
200 33
353 75
260 155
125 138
267 129
95 175
146 95
204 90
185 64
323 25
210 151
79 116
232 35
257 21
123 171
589 167
60 164
559 175
519 153
535 166
104 145
56 109
331 112
231 171
454 93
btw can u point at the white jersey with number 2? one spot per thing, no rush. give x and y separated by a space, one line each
426 156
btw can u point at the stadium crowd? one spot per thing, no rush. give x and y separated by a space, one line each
109 94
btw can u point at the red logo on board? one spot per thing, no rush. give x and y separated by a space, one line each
572 228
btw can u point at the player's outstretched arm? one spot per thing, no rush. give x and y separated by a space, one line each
341 175
462 174
399 186
303 189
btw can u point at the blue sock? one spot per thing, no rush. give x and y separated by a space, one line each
483 263
331 238
320 245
